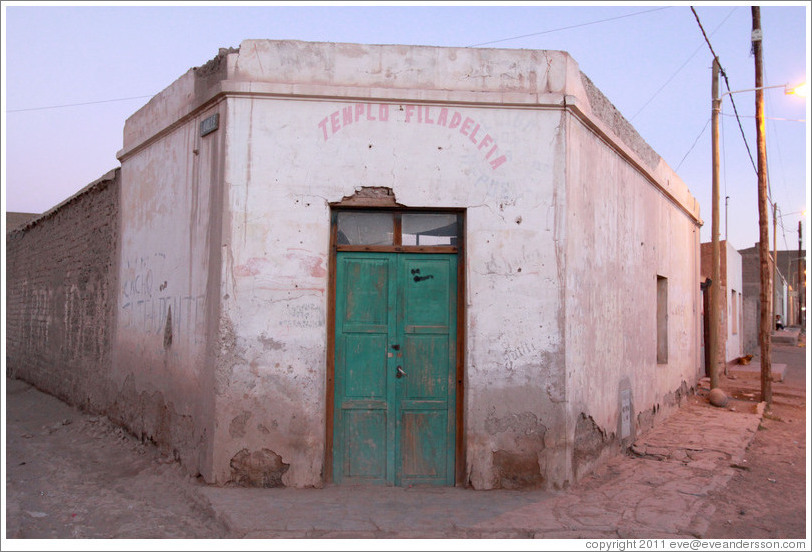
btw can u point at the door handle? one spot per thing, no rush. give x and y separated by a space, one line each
400 373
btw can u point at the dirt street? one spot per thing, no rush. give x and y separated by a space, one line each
767 498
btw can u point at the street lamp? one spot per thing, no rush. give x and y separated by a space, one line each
797 90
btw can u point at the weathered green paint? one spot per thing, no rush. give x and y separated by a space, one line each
395 310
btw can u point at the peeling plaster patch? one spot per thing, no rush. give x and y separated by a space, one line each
519 467
152 418
646 418
589 442
523 423
675 398
371 195
269 343
237 426
263 468
517 470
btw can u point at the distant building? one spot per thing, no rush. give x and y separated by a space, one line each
382 264
731 312
786 295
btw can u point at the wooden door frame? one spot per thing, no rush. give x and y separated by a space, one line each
459 250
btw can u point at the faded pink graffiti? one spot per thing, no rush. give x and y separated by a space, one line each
420 114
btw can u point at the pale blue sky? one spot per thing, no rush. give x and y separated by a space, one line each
649 59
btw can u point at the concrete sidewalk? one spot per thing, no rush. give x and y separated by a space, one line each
657 491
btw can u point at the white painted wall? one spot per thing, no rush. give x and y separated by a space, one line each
733 277
622 233
281 174
161 363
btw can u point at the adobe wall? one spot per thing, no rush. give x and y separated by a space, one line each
61 291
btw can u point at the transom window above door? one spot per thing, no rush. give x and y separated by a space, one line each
397 230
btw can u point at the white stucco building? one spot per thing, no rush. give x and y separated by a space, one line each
734 321
398 264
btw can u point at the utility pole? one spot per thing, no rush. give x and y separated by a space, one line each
775 261
763 216
713 319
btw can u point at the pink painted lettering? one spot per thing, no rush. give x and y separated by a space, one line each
334 123
323 126
466 125
487 141
472 137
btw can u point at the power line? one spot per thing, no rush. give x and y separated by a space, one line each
681 67
694 144
727 84
470 46
76 104
568 27
768 118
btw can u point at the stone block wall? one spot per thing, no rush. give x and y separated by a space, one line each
61 274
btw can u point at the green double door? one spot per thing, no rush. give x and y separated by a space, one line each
395 368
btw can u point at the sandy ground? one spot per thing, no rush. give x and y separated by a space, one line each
104 483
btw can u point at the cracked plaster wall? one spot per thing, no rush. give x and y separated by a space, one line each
168 273
275 275
622 234
296 137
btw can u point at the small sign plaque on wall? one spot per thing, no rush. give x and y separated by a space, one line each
625 414
209 124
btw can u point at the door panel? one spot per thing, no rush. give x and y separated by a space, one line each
362 417
423 454
395 368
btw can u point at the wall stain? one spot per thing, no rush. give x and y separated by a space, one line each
237 426
269 343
